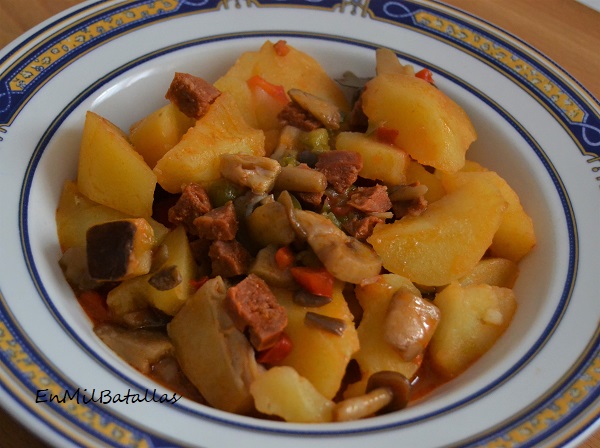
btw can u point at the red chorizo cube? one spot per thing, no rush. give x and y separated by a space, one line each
218 224
229 258
362 228
252 305
192 203
340 167
293 115
373 199
192 95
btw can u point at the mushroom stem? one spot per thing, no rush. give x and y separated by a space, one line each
362 406
286 199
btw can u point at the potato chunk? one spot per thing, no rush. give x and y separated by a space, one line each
493 271
214 355
376 353
447 240
111 172
431 127
473 318
154 135
283 392
416 173
76 214
288 69
380 161
128 295
180 255
319 356
197 157
515 237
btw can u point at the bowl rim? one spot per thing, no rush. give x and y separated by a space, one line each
401 18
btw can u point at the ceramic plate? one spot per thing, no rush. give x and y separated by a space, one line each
537 127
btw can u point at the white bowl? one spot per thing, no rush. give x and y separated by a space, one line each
537 128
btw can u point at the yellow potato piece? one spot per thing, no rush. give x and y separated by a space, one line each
111 172
447 240
180 255
493 271
196 158
215 356
375 353
380 161
473 318
281 391
169 301
76 214
431 127
317 355
415 172
296 69
154 135
516 236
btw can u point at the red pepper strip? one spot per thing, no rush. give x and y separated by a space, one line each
274 91
317 281
281 48
425 75
196 284
94 305
284 257
278 352
386 135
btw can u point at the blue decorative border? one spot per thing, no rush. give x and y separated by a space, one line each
377 11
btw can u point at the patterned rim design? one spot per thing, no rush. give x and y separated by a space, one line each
574 398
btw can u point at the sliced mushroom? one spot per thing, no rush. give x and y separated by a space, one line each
301 178
362 406
397 383
324 111
257 173
386 391
286 199
141 348
345 257
167 278
289 145
410 323
326 323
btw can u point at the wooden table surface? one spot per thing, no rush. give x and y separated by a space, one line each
565 30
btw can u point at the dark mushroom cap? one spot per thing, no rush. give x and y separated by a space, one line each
397 383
